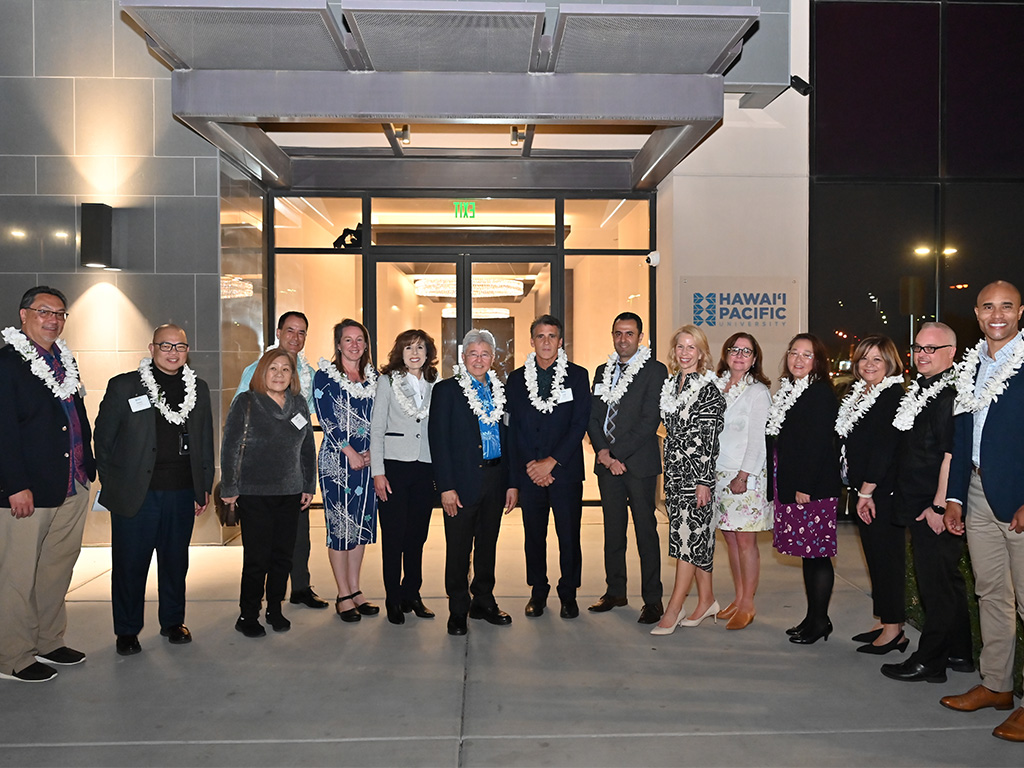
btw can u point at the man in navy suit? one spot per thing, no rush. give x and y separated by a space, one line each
471 470
987 472
549 408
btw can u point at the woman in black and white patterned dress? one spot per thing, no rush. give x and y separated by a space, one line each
693 411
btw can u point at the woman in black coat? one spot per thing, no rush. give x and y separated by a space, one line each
804 483
868 444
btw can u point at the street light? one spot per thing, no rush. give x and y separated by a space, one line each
924 250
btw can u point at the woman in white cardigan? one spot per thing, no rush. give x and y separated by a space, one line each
402 475
741 493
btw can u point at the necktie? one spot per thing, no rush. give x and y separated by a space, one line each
613 409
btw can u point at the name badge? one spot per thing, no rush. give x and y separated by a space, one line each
139 403
505 419
299 421
565 396
599 389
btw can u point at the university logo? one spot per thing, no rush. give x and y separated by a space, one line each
704 308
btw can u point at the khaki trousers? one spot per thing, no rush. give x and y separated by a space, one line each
997 557
37 556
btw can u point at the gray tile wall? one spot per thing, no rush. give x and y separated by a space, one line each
85 116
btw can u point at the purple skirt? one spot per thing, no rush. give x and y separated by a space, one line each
805 530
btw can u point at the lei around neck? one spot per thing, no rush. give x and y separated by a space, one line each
682 400
859 401
966 401
405 403
789 392
475 403
358 390
611 395
156 395
736 389
532 389
40 369
917 397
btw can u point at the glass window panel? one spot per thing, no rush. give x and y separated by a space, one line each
506 299
315 222
483 221
605 224
400 308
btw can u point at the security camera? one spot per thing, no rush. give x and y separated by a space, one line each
653 258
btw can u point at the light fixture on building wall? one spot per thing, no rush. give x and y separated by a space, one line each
97 237
515 136
405 135
484 286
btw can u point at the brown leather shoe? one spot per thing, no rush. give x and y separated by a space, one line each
979 697
741 620
607 602
727 612
1012 728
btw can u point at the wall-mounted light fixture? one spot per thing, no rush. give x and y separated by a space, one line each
405 135
515 136
97 241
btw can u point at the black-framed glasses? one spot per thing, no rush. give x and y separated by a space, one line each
928 349
46 314
741 351
166 346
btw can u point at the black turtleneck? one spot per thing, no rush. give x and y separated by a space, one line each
173 472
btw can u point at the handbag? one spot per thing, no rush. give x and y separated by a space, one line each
228 514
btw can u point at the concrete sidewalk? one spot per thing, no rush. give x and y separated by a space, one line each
595 691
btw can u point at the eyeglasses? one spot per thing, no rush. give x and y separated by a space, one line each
805 355
928 349
166 346
46 314
741 351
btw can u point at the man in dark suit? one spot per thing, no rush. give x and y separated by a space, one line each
549 408
46 465
467 447
154 452
987 472
623 429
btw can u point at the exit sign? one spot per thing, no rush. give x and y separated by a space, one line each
464 209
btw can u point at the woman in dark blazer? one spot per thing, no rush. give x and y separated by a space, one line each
804 483
868 443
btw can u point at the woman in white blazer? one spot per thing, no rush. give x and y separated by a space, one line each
400 463
741 495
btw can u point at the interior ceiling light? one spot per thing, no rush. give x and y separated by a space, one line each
484 287
234 288
480 313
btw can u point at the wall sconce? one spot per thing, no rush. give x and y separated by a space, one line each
515 136
97 241
405 135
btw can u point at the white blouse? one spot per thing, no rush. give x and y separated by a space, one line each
742 442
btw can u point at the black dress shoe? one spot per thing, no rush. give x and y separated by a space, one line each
912 672
570 609
394 612
811 635
416 606
250 627
796 630
898 643
960 664
651 613
607 602
867 637
278 622
178 635
308 598
366 609
128 645
457 625
535 607
493 615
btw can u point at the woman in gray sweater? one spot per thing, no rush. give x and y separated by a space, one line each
268 468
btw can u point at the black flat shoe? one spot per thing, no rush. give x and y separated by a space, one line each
913 672
128 645
365 609
308 598
570 609
898 643
278 622
457 625
493 615
535 607
394 613
867 637
351 615
416 606
250 627
809 636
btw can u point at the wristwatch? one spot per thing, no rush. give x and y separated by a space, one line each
938 510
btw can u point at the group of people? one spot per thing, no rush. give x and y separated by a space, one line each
398 441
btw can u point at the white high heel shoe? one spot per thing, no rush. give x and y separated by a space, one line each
669 629
712 611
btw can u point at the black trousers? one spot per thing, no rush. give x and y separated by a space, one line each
268 540
404 525
638 492
884 545
474 531
300 554
565 502
947 624
163 523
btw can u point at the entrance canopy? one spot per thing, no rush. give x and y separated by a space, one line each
417 94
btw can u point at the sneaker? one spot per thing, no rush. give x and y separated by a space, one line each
35 672
63 656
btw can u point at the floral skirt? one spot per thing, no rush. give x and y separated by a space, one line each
804 530
750 511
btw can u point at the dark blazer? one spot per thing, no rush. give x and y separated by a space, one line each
35 436
126 445
456 449
808 461
636 428
1002 452
534 435
872 443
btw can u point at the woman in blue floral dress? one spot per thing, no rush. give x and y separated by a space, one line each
343 393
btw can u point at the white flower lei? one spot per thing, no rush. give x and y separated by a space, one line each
789 392
672 402
561 369
305 375
406 403
917 398
156 395
965 401
497 395
612 395
858 402
358 390
736 390
62 391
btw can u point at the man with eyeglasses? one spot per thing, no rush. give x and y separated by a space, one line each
154 453
925 420
46 465
291 334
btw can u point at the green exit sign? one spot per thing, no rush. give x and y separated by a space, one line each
464 209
